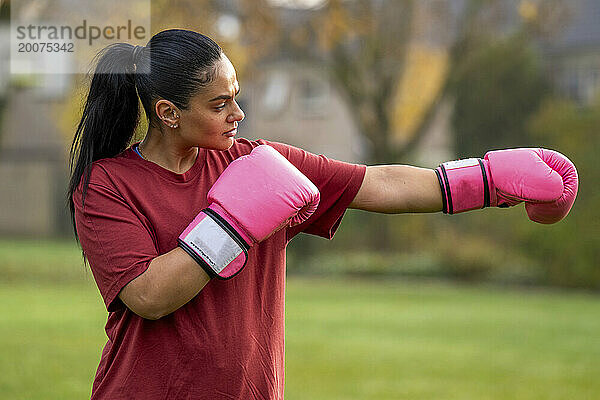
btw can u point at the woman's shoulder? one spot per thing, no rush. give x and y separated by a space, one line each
104 169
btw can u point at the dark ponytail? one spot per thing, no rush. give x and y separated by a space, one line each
173 66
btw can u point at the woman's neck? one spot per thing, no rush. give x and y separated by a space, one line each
157 148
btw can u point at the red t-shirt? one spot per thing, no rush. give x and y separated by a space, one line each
227 342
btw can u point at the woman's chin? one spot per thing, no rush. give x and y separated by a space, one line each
230 141
224 144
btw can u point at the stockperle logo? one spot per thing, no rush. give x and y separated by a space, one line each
64 36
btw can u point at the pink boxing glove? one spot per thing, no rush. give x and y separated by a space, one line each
544 179
255 196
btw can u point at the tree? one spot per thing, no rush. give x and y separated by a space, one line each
496 89
368 61
363 43
570 249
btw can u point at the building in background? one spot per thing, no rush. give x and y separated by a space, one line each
573 57
33 154
297 104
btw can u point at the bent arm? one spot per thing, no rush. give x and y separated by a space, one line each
171 280
174 278
395 189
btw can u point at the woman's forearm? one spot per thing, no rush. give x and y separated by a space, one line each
394 189
171 280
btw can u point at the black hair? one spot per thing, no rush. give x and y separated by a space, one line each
173 66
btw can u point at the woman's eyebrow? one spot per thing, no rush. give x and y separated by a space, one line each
224 96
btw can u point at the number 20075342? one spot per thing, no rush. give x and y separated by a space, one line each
45 47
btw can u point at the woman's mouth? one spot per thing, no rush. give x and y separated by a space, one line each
231 133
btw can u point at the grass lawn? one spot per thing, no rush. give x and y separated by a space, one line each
50 340
359 340
345 339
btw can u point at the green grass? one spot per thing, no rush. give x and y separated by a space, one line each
50 340
345 339
358 340
41 261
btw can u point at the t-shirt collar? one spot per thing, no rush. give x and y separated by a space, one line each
188 175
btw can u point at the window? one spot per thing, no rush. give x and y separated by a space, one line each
276 92
314 98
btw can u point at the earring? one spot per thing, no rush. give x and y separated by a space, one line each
175 125
175 115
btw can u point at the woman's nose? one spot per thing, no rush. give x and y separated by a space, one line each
237 114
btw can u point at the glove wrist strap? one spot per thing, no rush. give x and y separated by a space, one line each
465 184
214 245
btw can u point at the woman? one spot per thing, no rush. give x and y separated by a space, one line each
173 332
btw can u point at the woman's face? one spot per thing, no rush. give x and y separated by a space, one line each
212 117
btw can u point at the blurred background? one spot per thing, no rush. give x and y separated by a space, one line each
367 81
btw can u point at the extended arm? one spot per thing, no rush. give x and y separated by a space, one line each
545 180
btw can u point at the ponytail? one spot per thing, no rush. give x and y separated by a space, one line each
109 119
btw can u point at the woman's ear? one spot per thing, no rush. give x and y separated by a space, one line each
167 113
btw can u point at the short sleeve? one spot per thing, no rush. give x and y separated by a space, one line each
337 181
114 240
